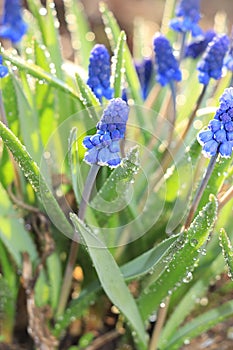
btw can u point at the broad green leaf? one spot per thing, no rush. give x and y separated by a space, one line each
113 31
81 35
146 263
7 310
118 65
32 173
200 325
10 102
115 188
42 289
74 164
227 250
28 124
42 75
55 278
134 269
188 302
179 268
12 232
111 279
216 180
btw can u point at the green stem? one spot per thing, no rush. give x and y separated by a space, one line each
200 191
67 281
182 47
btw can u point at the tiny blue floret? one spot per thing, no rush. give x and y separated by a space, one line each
103 148
99 72
219 137
167 65
188 13
3 69
212 62
12 25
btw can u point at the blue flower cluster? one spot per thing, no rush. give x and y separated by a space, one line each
3 69
228 60
219 137
189 10
167 66
99 72
12 25
212 62
198 46
144 71
104 146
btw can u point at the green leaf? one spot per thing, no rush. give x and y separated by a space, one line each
179 268
42 75
118 65
113 31
146 262
111 279
28 124
200 325
216 180
88 97
12 232
188 301
227 250
74 164
38 182
81 34
55 278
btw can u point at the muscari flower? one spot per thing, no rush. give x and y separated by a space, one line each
219 136
212 62
228 60
3 69
167 66
103 148
99 72
144 71
12 25
189 11
198 46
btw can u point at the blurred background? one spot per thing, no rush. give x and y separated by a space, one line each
128 12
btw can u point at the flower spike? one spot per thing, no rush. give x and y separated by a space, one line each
99 72
198 46
219 137
212 62
12 25
103 148
188 13
167 66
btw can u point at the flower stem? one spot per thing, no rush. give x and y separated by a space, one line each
162 313
200 191
75 245
182 47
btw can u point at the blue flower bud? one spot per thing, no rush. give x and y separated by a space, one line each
99 72
167 65
12 25
212 62
219 137
104 148
188 13
197 47
144 71
3 69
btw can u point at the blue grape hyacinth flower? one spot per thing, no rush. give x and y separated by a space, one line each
198 46
167 65
144 71
188 13
99 72
103 148
212 62
219 136
12 25
3 69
